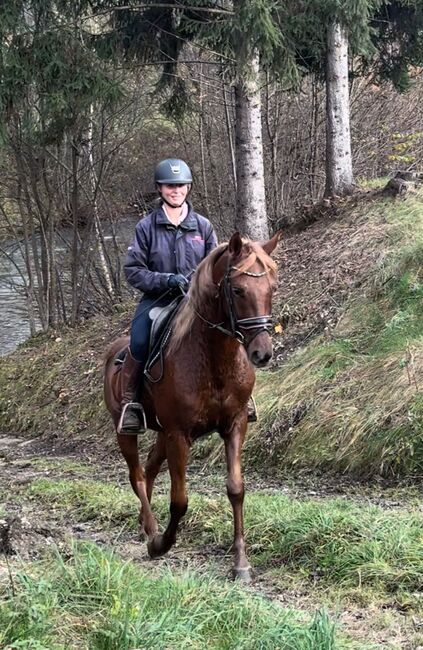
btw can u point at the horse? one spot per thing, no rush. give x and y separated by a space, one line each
220 333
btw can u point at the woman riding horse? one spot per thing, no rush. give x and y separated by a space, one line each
169 244
221 331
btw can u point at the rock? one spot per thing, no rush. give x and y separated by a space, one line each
20 536
402 182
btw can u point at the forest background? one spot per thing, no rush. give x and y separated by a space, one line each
260 97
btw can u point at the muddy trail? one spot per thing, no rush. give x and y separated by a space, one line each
29 525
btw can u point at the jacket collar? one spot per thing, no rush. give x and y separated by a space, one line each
189 223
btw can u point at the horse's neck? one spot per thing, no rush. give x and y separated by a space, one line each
221 351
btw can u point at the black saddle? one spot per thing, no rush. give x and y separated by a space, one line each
160 332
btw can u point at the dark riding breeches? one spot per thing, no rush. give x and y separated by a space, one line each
141 326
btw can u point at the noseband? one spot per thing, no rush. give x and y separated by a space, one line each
255 324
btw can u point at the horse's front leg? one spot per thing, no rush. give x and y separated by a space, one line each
177 451
129 448
234 440
155 459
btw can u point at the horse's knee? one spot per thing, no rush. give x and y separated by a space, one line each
235 489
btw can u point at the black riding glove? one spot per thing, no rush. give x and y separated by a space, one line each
178 281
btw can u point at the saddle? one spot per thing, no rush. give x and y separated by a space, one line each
160 332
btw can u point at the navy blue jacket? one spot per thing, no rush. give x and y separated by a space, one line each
161 249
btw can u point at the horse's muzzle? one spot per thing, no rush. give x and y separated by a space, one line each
260 350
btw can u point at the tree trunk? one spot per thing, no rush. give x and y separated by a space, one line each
339 175
251 217
101 249
229 131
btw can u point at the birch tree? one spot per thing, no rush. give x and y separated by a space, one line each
339 169
251 212
322 33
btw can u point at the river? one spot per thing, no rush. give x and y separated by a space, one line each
14 322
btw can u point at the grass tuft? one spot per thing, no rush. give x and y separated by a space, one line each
94 600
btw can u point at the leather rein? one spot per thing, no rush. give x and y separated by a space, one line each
258 323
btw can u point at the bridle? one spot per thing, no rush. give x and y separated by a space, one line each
255 324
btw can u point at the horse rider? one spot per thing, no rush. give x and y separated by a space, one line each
169 244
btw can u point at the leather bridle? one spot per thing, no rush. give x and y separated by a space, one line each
255 324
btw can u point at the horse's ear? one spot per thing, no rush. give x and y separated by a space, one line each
235 245
269 246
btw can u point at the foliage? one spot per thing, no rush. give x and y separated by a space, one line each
397 34
49 70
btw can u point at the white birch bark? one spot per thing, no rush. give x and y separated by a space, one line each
251 215
97 225
339 174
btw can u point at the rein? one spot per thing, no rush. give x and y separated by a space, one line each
259 323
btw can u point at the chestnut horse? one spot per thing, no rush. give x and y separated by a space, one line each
221 331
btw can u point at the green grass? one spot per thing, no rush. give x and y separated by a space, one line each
92 600
86 500
373 183
333 541
354 403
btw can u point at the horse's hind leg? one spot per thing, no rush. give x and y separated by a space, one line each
129 447
154 462
177 450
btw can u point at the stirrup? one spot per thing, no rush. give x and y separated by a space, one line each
137 409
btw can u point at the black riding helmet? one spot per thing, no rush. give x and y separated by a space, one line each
173 171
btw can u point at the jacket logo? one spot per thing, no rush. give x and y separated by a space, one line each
197 238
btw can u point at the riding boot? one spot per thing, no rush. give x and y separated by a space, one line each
251 410
132 419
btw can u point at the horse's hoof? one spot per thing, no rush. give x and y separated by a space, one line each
155 547
242 574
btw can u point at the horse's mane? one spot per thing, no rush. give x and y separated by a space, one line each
203 290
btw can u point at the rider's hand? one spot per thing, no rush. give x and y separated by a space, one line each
178 281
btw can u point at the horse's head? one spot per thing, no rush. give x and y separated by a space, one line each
246 277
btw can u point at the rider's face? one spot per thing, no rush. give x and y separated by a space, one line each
174 194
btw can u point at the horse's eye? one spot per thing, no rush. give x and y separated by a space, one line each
238 291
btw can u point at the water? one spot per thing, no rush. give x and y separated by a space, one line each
14 321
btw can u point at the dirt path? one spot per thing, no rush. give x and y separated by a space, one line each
28 527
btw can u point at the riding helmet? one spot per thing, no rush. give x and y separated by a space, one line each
172 171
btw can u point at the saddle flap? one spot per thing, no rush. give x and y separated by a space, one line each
159 336
161 317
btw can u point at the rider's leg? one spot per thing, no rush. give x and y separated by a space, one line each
132 418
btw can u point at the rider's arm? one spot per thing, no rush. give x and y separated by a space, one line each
136 268
211 240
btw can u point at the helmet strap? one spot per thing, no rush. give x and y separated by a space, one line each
170 204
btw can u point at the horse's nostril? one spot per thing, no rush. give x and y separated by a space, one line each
260 359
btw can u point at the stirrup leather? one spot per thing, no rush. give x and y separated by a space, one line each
138 410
